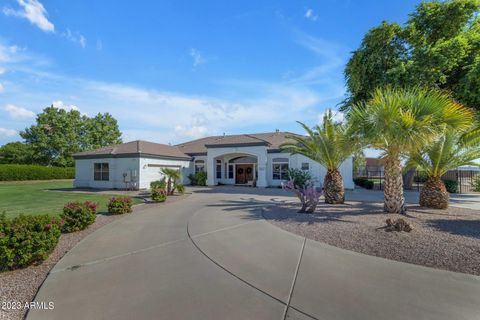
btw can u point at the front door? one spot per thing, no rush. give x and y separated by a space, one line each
244 173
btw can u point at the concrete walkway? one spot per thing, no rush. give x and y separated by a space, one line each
212 256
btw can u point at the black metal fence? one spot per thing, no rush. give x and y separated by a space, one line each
463 181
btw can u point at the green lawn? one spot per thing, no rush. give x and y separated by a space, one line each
37 197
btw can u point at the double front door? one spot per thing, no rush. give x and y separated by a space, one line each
244 173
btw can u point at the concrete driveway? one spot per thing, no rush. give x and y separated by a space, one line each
212 256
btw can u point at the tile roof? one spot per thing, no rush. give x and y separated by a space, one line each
272 140
133 148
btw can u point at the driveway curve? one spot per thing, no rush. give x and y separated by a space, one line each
212 256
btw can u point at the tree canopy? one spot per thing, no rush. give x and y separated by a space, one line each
438 47
58 134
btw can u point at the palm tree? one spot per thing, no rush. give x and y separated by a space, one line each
449 151
330 144
400 122
172 176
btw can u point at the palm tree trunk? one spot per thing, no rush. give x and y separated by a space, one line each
333 187
394 202
434 194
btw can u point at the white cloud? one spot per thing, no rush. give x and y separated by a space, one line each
18 113
75 38
7 132
191 132
2 71
197 57
2 88
310 15
33 11
60 105
8 54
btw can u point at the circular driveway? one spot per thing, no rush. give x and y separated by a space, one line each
212 256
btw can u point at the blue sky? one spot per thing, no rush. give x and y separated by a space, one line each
171 71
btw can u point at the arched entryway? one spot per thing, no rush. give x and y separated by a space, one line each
238 169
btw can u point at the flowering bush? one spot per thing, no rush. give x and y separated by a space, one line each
308 195
159 195
77 216
25 240
120 205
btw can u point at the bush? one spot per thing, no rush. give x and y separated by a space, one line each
180 188
77 216
364 183
25 240
198 179
300 178
451 185
158 184
159 195
476 184
120 205
18 172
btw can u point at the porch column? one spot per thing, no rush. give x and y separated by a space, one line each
262 169
210 167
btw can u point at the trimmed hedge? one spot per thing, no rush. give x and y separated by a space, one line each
198 179
19 172
364 183
25 240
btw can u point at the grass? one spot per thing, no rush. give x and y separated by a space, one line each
39 197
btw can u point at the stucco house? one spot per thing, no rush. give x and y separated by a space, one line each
245 159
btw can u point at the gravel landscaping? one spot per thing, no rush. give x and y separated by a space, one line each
445 239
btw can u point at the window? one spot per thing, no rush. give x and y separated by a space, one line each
199 166
219 169
230 171
279 169
305 166
101 172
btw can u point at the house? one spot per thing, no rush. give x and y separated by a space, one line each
243 159
376 165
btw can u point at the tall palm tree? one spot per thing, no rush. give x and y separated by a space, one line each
402 121
449 151
330 144
173 175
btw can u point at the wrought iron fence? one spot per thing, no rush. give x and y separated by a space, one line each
462 180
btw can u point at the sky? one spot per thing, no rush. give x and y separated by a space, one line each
173 71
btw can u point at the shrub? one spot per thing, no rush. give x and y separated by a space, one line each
180 188
451 185
159 195
300 177
398 225
198 179
158 184
25 240
363 182
120 205
77 216
476 184
18 172
368 184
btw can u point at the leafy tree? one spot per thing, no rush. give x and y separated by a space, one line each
400 122
330 144
101 130
16 152
58 134
438 47
450 150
